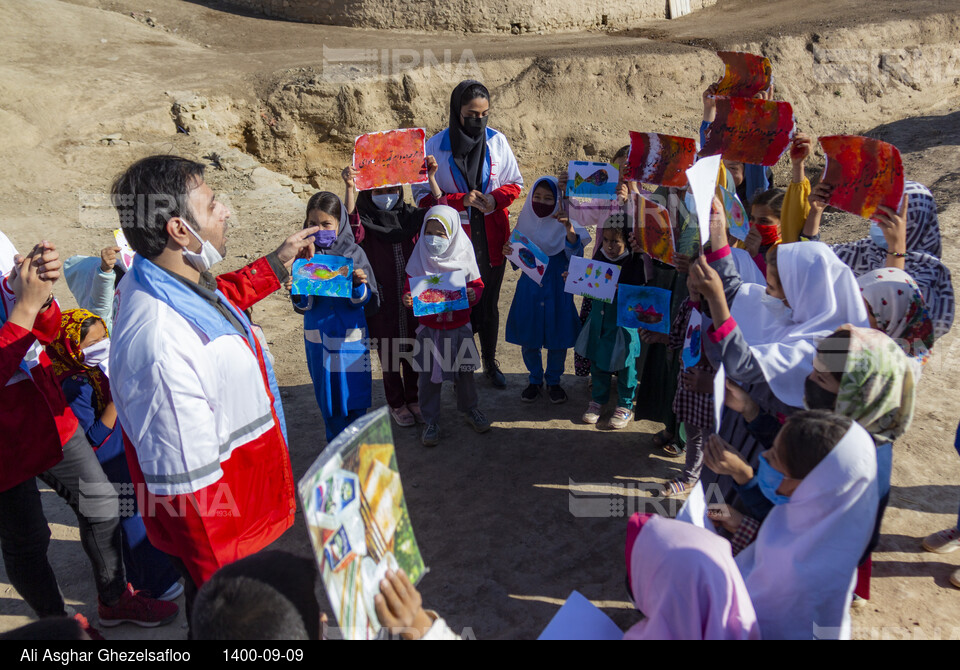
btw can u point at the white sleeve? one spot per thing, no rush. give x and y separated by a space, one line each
509 170
420 191
439 630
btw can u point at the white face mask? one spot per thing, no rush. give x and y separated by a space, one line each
436 244
208 256
777 306
98 355
385 201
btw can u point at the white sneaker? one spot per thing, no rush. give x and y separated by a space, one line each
943 542
621 417
592 415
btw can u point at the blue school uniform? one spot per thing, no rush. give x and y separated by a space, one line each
147 568
545 317
335 336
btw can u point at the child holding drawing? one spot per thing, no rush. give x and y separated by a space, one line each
447 350
543 316
386 228
335 329
609 347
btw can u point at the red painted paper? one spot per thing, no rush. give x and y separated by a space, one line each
652 227
660 159
390 158
745 74
749 130
865 173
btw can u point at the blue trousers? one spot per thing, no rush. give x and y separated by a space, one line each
334 425
556 359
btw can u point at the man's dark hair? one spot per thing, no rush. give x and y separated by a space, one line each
807 437
326 202
266 596
151 192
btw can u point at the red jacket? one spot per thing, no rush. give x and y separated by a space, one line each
35 420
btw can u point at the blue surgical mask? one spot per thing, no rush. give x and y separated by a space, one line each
769 480
436 244
385 201
876 234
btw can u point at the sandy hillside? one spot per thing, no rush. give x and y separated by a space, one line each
86 88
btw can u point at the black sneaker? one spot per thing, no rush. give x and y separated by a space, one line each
491 370
531 393
557 394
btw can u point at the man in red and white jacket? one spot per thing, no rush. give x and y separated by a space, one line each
195 394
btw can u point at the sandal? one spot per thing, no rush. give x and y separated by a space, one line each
673 449
674 488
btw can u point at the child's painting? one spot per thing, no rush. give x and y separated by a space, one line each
865 173
745 74
592 180
436 294
592 279
692 340
330 276
590 212
738 225
358 522
390 158
653 228
660 159
644 307
528 257
750 130
125 257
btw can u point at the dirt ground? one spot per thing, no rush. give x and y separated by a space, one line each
86 88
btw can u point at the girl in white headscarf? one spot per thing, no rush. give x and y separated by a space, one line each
447 351
542 315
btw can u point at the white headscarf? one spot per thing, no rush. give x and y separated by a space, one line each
7 253
546 232
458 256
823 295
801 570
747 267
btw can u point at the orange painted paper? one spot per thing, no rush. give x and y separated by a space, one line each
865 173
390 158
745 74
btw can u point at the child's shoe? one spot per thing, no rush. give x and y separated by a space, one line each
403 416
592 415
477 420
556 394
431 435
621 417
414 408
531 393
943 542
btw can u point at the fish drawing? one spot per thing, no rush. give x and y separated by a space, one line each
645 314
598 178
321 272
528 259
438 295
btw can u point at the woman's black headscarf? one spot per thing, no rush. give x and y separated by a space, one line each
468 152
399 224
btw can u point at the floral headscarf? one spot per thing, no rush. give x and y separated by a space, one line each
877 388
67 357
896 303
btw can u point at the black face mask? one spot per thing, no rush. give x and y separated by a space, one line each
542 209
474 126
817 397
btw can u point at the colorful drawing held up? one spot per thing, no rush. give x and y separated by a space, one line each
745 74
590 212
126 255
592 180
436 294
592 279
330 276
390 158
358 521
749 130
738 225
528 257
644 307
692 340
865 173
653 228
660 159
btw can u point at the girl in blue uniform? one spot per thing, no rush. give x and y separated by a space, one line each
544 316
335 329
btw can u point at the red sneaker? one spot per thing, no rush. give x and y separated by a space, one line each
134 607
91 632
